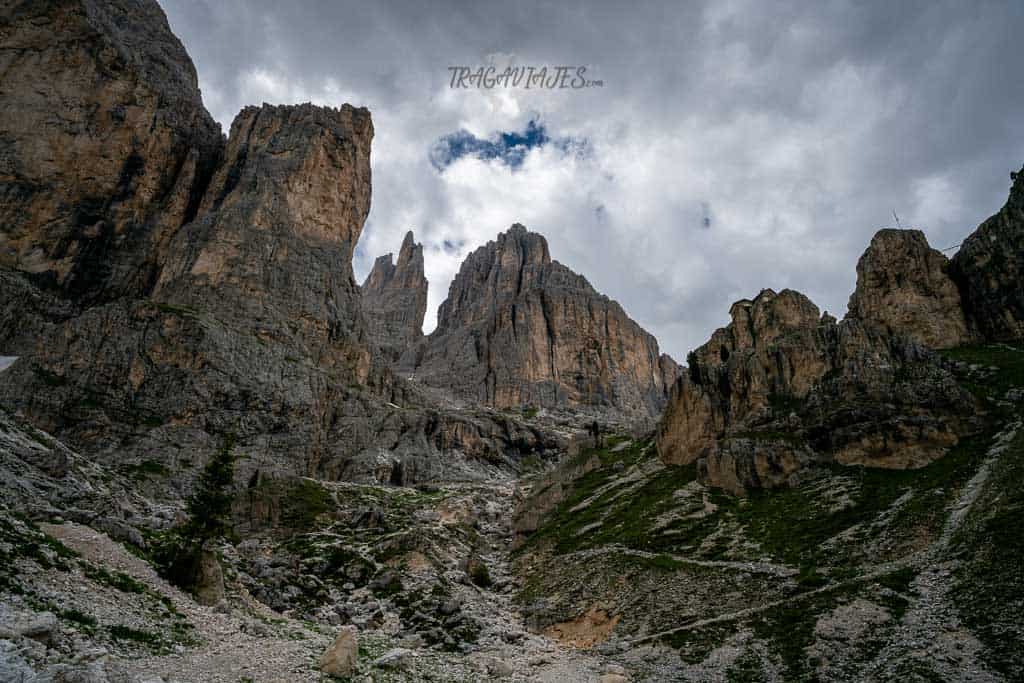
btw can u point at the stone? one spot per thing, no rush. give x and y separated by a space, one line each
903 286
989 269
209 580
341 657
521 330
497 668
395 299
396 658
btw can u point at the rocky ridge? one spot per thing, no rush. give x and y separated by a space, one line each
780 386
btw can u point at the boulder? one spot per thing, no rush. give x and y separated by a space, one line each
396 658
341 657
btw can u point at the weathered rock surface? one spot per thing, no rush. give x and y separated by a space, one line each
903 286
395 299
89 199
790 380
989 268
340 658
519 329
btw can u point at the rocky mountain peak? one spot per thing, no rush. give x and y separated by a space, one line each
903 286
520 329
499 270
395 299
306 165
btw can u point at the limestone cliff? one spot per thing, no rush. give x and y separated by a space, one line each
395 299
211 291
989 268
107 146
903 286
519 329
781 386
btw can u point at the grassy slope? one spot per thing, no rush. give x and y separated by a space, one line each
840 523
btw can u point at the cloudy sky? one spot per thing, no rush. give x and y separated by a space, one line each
733 145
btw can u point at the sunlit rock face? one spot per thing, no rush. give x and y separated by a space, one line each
782 386
903 286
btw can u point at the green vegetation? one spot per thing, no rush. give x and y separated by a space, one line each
20 539
76 616
177 553
127 633
48 377
1007 358
178 310
304 501
116 579
990 583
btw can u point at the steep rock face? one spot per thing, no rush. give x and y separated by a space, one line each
249 322
271 250
89 199
395 299
254 327
519 329
780 385
902 285
989 268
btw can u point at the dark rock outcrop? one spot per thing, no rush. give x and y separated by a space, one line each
90 198
903 286
780 385
519 329
395 299
989 269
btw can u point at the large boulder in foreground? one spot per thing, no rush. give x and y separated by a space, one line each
341 658
989 268
903 286
781 386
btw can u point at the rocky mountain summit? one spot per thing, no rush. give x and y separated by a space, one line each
395 299
228 305
521 330
903 286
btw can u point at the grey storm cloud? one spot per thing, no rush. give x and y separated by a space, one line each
733 145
